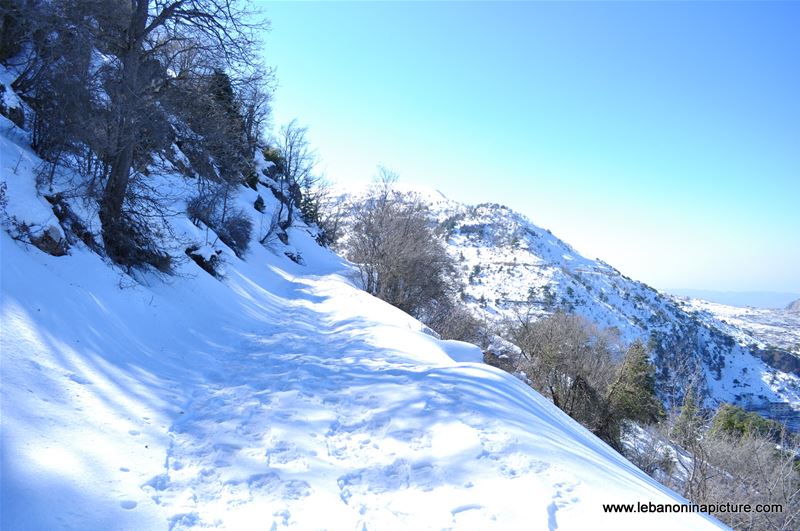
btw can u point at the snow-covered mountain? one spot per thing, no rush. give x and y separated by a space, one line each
762 328
278 396
509 265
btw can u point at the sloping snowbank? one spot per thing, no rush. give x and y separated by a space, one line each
281 397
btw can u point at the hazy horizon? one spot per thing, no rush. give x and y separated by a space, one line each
756 299
659 137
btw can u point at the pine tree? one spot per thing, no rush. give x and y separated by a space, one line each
633 395
686 430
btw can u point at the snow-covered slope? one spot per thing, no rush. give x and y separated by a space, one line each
509 265
762 327
279 397
283 396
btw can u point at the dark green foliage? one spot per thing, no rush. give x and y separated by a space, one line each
572 361
13 27
310 207
688 425
220 124
736 421
548 297
633 394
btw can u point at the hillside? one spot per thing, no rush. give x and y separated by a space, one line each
761 327
511 266
276 396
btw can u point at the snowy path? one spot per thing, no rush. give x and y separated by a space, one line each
291 414
313 422
280 398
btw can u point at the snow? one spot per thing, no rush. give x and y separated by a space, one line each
281 396
18 169
764 327
9 97
206 252
462 352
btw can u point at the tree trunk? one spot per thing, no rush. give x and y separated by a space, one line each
126 108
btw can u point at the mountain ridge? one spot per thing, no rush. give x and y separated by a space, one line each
508 264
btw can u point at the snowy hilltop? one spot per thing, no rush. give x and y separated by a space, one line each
509 266
262 389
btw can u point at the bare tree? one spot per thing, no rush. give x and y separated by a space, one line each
715 462
400 258
101 74
221 25
256 101
294 168
566 356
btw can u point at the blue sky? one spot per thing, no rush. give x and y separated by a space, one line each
663 138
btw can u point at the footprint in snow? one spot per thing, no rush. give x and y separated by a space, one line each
559 502
468 507
79 379
518 464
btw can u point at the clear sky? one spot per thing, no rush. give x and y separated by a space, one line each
663 138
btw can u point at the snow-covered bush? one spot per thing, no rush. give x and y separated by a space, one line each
207 258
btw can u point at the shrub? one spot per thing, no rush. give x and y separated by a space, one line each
259 204
452 320
234 228
236 231
736 421
400 258
132 243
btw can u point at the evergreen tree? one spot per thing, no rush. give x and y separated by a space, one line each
633 394
736 421
686 430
